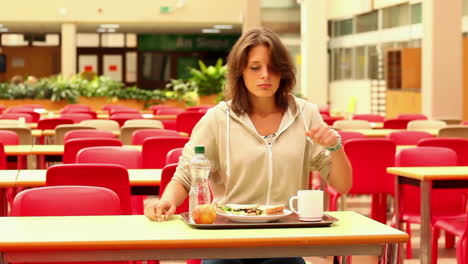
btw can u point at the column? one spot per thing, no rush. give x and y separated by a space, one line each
251 16
442 83
68 52
314 55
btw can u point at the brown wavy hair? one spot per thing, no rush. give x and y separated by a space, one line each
281 62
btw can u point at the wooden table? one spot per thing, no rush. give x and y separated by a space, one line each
134 237
379 133
59 149
427 178
137 177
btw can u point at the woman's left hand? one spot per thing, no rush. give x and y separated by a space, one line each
323 135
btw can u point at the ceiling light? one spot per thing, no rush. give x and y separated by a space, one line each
222 26
210 30
101 30
111 30
110 25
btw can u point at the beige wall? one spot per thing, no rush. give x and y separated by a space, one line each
338 9
198 11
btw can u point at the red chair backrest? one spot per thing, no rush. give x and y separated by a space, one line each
173 155
66 201
123 110
330 120
130 158
369 159
87 133
72 146
347 135
459 145
27 116
3 164
443 201
114 106
169 124
168 111
140 135
156 107
396 123
154 150
186 121
77 117
198 107
35 116
369 117
8 137
51 123
114 177
408 137
412 116
166 176
126 115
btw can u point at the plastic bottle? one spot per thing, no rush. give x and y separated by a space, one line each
200 209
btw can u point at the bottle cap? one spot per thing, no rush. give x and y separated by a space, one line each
199 149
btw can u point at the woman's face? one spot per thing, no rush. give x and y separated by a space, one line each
259 79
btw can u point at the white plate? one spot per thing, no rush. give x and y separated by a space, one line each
255 218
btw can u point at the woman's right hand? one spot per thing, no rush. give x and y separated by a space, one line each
160 210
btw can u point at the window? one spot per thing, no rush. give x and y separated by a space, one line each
112 40
155 67
396 16
416 13
343 27
87 40
49 40
131 41
13 40
367 22
373 63
346 63
465 7
360 63
336 54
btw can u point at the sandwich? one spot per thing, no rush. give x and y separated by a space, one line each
252 209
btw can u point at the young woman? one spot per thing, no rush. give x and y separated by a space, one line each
263 141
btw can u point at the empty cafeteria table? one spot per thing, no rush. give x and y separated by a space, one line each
427 178
109 238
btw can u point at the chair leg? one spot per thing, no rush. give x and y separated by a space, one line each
449 240
409 248
435 246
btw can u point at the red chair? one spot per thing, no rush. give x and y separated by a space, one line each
51 123
87 133
347 135
77 117
113 106
154 150
2 157
123 110
446 204
324 110
459 145
408 137
35 116
121 118
369 159
114 177
169 111
186 121
330 120
130 158
369 117
66 201
169 124
412 116
166 176
173 156
156 107
8 137
139 136
27 117
72 146
396 123
196 108
455 227
464 123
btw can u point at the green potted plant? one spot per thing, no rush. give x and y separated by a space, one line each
209 80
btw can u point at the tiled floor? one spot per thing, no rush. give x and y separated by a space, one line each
361 204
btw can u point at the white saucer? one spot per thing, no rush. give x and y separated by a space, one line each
311 219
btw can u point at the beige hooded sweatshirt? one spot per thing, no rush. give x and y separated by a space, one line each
245 168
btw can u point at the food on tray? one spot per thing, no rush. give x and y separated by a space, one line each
252 209
204 214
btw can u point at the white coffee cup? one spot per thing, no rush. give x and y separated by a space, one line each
309 205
